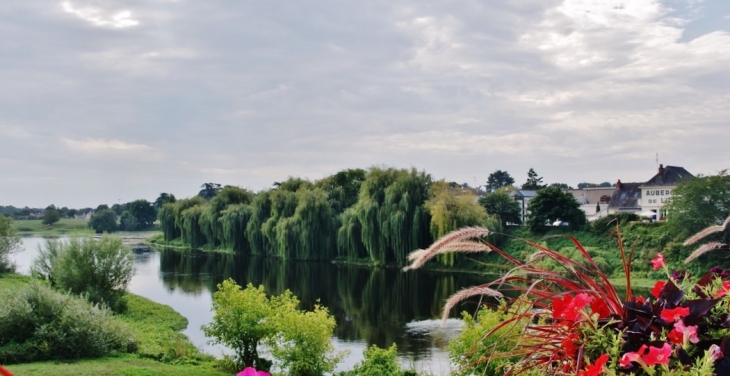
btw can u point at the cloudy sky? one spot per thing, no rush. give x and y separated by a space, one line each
109 101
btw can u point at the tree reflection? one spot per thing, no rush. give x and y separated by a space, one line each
371 305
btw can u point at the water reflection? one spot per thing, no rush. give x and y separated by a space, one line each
373 306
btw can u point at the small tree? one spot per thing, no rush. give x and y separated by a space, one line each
534 182
128 222
499 179
50 217
9 244
143 212
699 202
104 220
552 204
503 206
299 340
101 269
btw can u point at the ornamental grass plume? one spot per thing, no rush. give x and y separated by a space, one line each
708 247
572 321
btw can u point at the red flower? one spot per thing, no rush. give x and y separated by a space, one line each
672 315
639 299
724 289
595 369
659 261
658 288
676 337
568 308
599 306
658 355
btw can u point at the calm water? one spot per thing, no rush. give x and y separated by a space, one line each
371 306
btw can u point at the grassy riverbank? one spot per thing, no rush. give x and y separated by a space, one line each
65 226
163 350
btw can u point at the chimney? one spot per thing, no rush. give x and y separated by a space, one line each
618 184
661 168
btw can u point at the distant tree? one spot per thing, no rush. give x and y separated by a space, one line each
209 190
561 186
605 184
128 222
552 204
9 244
104 220
143 212
503 206
498 179
534 182
119 209
51 216
102 207
71 213
699 202
585 185
163 199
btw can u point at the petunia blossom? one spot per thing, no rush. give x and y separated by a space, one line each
674 314
596 368
724 289
250 371
658 355
657 289
568 308
689 333
633 356
658 262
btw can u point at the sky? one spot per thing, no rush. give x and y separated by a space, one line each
105 102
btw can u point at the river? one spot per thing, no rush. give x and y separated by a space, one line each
371 305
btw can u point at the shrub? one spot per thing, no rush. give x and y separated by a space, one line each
299 340
37 323
101 269
9 244
377 362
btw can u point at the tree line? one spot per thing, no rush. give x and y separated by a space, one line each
377 215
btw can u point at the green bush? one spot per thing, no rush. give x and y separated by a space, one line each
100 269
298 340
9 244
377 362
37 323
471 348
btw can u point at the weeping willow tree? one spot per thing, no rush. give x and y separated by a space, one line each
260 213
209 224
349 236
190 226
390 211
452 208
181 206
233 222
166 216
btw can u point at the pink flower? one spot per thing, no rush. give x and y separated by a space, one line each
716 353
250 371
672 315
629 357
681 335
658 262
658 355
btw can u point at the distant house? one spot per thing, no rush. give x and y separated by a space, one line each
648 196
625 198
658 190
523 197
589 198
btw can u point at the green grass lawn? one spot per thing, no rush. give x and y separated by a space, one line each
163 349
63 227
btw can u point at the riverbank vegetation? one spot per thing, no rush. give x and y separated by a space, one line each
151 344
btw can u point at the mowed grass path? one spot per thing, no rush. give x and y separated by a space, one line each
157 330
